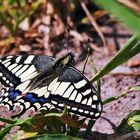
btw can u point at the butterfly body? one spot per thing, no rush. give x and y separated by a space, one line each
41 82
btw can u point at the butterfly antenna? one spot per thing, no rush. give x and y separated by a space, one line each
88 50
81 45
67 40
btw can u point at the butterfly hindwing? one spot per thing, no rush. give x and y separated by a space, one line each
33 101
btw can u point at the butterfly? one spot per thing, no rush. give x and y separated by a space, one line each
39 82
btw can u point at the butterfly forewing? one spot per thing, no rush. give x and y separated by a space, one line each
13 70
16 69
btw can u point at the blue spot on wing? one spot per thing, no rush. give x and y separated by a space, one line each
13 94
29 97
33 98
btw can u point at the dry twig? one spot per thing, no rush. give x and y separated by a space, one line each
93 22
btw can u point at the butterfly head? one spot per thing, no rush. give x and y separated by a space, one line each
65 61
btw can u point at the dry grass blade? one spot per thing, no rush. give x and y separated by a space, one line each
134 6
93 22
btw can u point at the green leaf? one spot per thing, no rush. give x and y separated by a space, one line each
89 127
34 7
10 1
136 126
135 122
65 111
130 49
136 88
136 118
7 120
5 131
53 137
114 98
121 12
95 71
17 136
129 123
22 2
3 18
14 123
13 13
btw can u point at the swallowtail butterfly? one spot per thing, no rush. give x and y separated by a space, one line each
40 82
